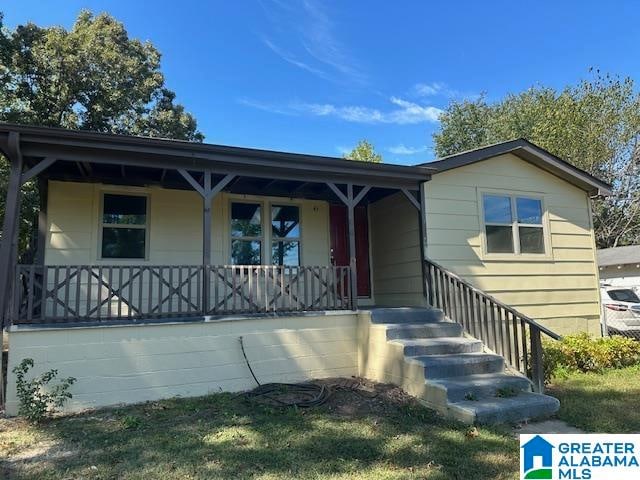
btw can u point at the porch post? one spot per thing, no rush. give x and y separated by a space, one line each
8 243
351 201
9 240
207 191
206 241
352 247
43 190
420 206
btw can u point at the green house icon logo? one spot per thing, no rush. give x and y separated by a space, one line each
538 448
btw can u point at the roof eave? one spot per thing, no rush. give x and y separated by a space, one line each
533 154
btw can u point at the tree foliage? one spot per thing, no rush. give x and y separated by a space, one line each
364 152
594 125
90 77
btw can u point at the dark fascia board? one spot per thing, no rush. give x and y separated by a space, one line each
109 148
531 153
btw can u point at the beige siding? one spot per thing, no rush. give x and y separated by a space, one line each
560 289
138 363
175 225
395 239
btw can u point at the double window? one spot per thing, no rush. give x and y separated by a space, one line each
248 234
124 226
513 224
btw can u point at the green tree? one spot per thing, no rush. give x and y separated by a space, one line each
364 152
90 77
595 125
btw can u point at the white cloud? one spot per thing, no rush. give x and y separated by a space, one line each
441 89
292 59
320 50
402 149
429 89
410 112
404 113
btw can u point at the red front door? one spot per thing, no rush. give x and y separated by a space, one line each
340 244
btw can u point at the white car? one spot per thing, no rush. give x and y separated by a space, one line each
621 307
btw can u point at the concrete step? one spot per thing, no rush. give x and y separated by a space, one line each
423 330
434 346
479 386
459 365
524 406
406 315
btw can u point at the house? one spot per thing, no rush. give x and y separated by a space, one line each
156 259
537 447
620 266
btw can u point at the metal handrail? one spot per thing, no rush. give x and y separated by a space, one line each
500 327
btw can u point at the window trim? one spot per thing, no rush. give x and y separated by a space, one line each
267 238
102 225
516 255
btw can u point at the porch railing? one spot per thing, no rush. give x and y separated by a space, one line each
80 293
503 329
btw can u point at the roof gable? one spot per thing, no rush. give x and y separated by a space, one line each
528 152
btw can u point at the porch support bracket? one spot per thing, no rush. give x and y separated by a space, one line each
351 202
37 169
411 197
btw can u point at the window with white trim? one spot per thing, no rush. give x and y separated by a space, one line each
513 224
285 235
124 226
246 233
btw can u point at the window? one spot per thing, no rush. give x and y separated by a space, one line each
246 234
623 295
285 235
513 224
124 226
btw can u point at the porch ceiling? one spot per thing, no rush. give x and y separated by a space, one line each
119 159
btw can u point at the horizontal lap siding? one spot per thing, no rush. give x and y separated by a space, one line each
395 240
139 363
175 226
562 290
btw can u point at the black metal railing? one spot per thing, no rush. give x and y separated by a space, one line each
77 293
501 328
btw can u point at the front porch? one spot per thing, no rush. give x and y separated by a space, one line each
136 229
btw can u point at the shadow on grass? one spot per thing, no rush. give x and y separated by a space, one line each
225 436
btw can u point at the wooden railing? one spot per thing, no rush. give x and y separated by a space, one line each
501 328
80 293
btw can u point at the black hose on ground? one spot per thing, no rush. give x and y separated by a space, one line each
302 395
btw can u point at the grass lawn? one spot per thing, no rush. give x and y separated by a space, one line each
228 436
600 402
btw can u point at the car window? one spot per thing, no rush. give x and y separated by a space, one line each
623 295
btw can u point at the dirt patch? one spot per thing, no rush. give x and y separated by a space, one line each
342 396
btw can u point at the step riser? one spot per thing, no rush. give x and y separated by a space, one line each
494 365
425 331
396 316
457 394
443 349
526 411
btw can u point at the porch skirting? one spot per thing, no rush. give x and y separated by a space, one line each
118 364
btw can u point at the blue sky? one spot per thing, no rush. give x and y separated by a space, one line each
316 76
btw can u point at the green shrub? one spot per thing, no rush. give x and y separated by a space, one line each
37 399
584 353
